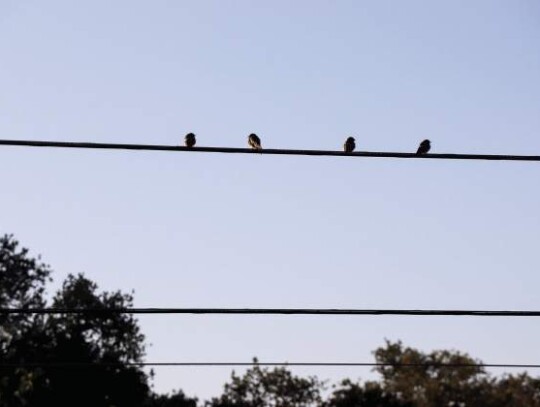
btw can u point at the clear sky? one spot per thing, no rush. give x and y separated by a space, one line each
210 230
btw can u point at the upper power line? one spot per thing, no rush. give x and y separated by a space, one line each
273 151
271 311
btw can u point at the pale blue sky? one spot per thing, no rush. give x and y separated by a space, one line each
267 231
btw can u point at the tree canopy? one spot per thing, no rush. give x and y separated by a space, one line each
114 339
113 342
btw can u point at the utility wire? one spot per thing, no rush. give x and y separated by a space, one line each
273 151
270 311
247 364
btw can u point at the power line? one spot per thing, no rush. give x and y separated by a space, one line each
268 364
271 311
273 151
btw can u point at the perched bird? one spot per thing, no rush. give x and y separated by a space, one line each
424 147
254 141
190 140
349 145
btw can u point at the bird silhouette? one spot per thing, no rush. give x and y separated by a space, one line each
254 141
424 147
349 145
190 140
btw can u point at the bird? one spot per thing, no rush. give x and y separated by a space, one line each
349 145
190 140
424 147
254 141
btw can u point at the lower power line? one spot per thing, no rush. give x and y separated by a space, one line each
253 364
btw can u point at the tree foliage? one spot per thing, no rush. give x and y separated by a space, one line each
113 343
262 387
114 339
369 394
176 399
432 385
429 383
22 285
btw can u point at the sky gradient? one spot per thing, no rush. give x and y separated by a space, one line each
211 230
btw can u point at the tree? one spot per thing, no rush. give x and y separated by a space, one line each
429 383
112 339
370 394
22 285
178 399
433 385
512 391
261 387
